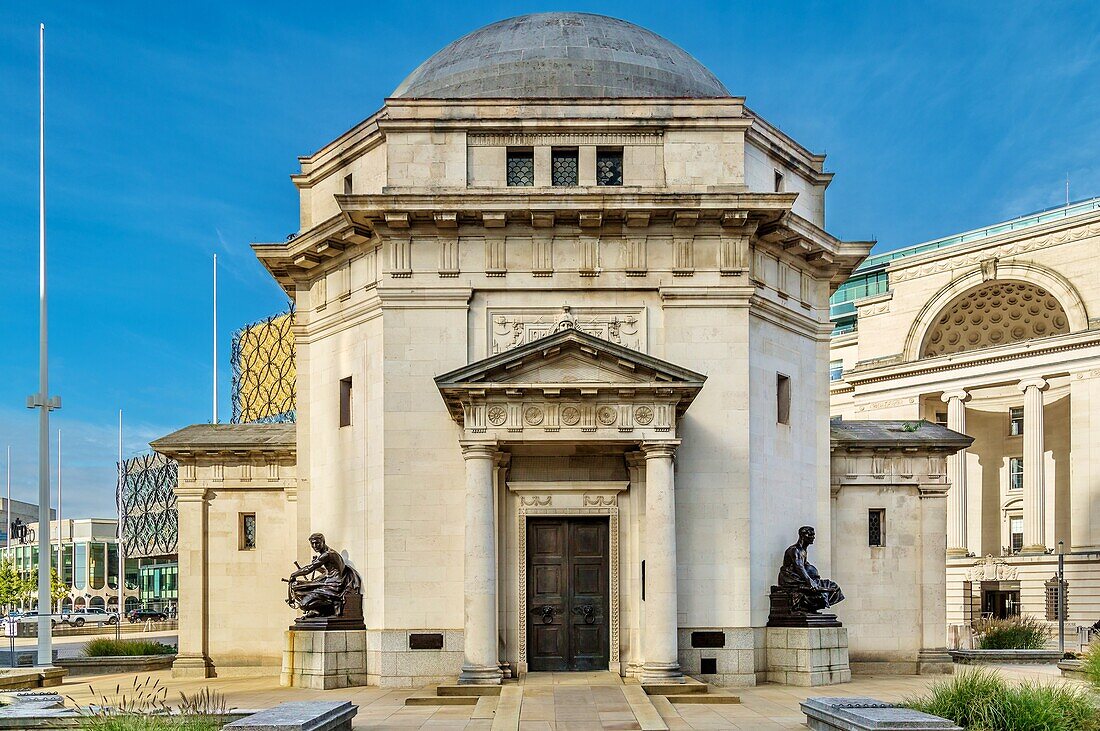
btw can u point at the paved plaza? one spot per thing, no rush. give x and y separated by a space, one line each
551 701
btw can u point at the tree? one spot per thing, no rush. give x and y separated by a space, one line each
58 589
11 584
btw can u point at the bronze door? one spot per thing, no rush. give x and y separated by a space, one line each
567 585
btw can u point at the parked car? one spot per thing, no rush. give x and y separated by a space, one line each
91 615
146 615
31 617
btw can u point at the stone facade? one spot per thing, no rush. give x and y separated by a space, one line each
994 333
473 355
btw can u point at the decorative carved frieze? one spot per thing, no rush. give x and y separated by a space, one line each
542 256
400 258
513 327
495 263
536 139
636 265
991 569
683 256
448 256
733 255
523 415
589 265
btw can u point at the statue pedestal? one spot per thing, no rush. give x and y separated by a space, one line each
808 656
324 659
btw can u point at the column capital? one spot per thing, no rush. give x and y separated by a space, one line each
478 450
1039 383
958 393
635 459
658 449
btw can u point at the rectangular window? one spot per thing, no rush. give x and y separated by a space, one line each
1016 533
778 182
247 532
836 370
1016 421
563 166
345 401
347 184
1015 473
876 527
609 166
782 398
521 167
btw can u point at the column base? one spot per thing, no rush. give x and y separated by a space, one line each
480 675
1033 551
658 672
957 553
192 666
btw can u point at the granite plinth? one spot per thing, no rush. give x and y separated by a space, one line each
808 656
324 660
300 716
868 714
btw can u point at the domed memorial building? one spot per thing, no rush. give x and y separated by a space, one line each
562 346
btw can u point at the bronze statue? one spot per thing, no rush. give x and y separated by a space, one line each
801 593
327 590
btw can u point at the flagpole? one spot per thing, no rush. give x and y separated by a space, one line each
215 364
42 400
121 544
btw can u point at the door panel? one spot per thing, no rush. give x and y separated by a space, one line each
567 594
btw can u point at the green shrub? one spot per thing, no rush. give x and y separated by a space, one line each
106 647
144 707
149 723
1018 633
980 700
1090 664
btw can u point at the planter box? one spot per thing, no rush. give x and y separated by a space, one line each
1005 657
116 664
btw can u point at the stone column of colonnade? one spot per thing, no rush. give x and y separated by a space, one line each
480 662
662 664
956 473
1034 481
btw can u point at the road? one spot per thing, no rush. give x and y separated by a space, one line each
71 646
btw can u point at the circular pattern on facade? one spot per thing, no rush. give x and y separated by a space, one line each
532 415
497 415
606 415
570 415
643 415
995 313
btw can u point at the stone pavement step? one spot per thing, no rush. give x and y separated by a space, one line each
486 707
431 699
508 706
704 698
642 708
690 685
478 690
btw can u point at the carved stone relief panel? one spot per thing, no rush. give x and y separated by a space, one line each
512 327
535 417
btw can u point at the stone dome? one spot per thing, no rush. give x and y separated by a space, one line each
561 55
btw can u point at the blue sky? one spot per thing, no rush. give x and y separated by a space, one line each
172 129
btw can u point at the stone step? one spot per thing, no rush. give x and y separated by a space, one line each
431 699
704 698
688 687
467 690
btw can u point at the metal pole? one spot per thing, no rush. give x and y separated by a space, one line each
1062 597
59 570
215 363
7 521
121 551
42 400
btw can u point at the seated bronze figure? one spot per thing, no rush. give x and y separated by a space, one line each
801 593
327 590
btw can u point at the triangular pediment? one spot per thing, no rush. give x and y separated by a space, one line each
571 357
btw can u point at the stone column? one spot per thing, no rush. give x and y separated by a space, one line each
193 660
480 663
956 475
662 664
933 657
1034 484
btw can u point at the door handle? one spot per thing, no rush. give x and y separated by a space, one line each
588 611
546 611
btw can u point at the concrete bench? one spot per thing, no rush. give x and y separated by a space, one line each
868 714
300 716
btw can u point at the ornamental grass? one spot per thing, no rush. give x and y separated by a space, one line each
107 647
1018 633
980 700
